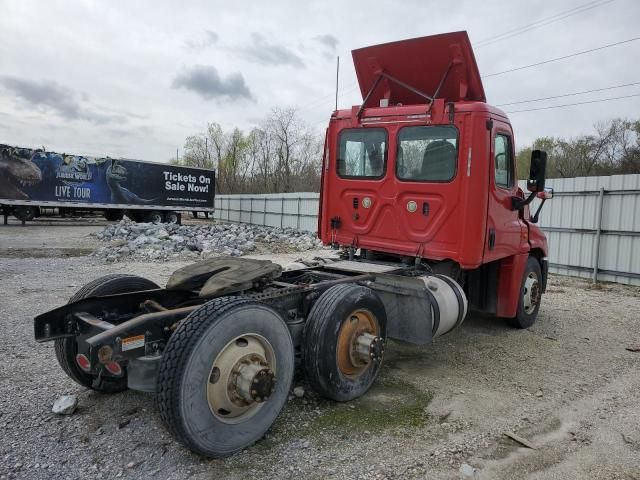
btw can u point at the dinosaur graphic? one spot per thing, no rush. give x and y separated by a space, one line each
115 174
16 171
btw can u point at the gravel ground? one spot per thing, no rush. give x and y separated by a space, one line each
567 385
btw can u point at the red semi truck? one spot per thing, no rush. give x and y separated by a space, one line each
419 195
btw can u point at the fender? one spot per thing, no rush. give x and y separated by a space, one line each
509 283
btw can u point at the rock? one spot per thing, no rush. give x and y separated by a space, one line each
141 240
65 405
539 393
146 241
467 472
298 392
131 464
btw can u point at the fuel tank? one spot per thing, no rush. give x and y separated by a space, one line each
420 308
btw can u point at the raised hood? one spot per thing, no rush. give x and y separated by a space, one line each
407 69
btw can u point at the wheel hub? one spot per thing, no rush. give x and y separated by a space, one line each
242 378
531 296
253 381
358 343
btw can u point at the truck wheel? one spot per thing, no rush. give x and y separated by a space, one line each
113 215
344 341
172 217
225 375
67 348
530 295
154 217
24 213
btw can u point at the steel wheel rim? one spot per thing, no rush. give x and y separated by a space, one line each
531 295
247 354
357 323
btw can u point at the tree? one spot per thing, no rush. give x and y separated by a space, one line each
282 155
614 148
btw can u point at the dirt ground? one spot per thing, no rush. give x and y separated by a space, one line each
567 385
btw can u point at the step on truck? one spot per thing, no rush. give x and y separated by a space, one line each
419 196
36 182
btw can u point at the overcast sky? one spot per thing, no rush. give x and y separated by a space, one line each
133 79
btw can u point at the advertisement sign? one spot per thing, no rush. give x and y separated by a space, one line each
36 175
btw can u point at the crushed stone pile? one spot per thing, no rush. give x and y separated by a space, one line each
128 240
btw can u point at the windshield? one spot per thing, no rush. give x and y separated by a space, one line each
427 154
362 153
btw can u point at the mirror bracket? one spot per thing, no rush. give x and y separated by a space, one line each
518 203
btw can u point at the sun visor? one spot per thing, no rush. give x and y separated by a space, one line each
410 68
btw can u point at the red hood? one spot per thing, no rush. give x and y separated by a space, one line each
420 63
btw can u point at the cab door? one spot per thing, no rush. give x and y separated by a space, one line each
505 229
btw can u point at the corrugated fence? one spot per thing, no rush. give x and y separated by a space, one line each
590 221
284 210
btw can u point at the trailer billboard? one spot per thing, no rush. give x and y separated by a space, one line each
40 176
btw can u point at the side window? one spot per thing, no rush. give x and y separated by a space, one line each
503 163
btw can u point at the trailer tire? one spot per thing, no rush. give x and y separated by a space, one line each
208 337
172 217
154 217
329 368
25 213
530 295
66 348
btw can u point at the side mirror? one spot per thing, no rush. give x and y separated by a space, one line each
535 183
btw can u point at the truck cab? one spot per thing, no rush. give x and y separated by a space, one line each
424 171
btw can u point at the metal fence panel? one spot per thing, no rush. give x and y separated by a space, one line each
594 221
590 220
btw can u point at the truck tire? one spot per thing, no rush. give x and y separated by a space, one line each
172 217
336 325
66 348
210 400
154 217
530 295
113 215
25 213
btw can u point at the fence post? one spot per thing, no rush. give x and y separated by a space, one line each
281 212
250 212
596 249
298 217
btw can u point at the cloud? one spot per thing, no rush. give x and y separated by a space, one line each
266 53
206 82
328 41
209 39
49 96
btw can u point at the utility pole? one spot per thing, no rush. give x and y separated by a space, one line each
206 150
177 159
337 76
